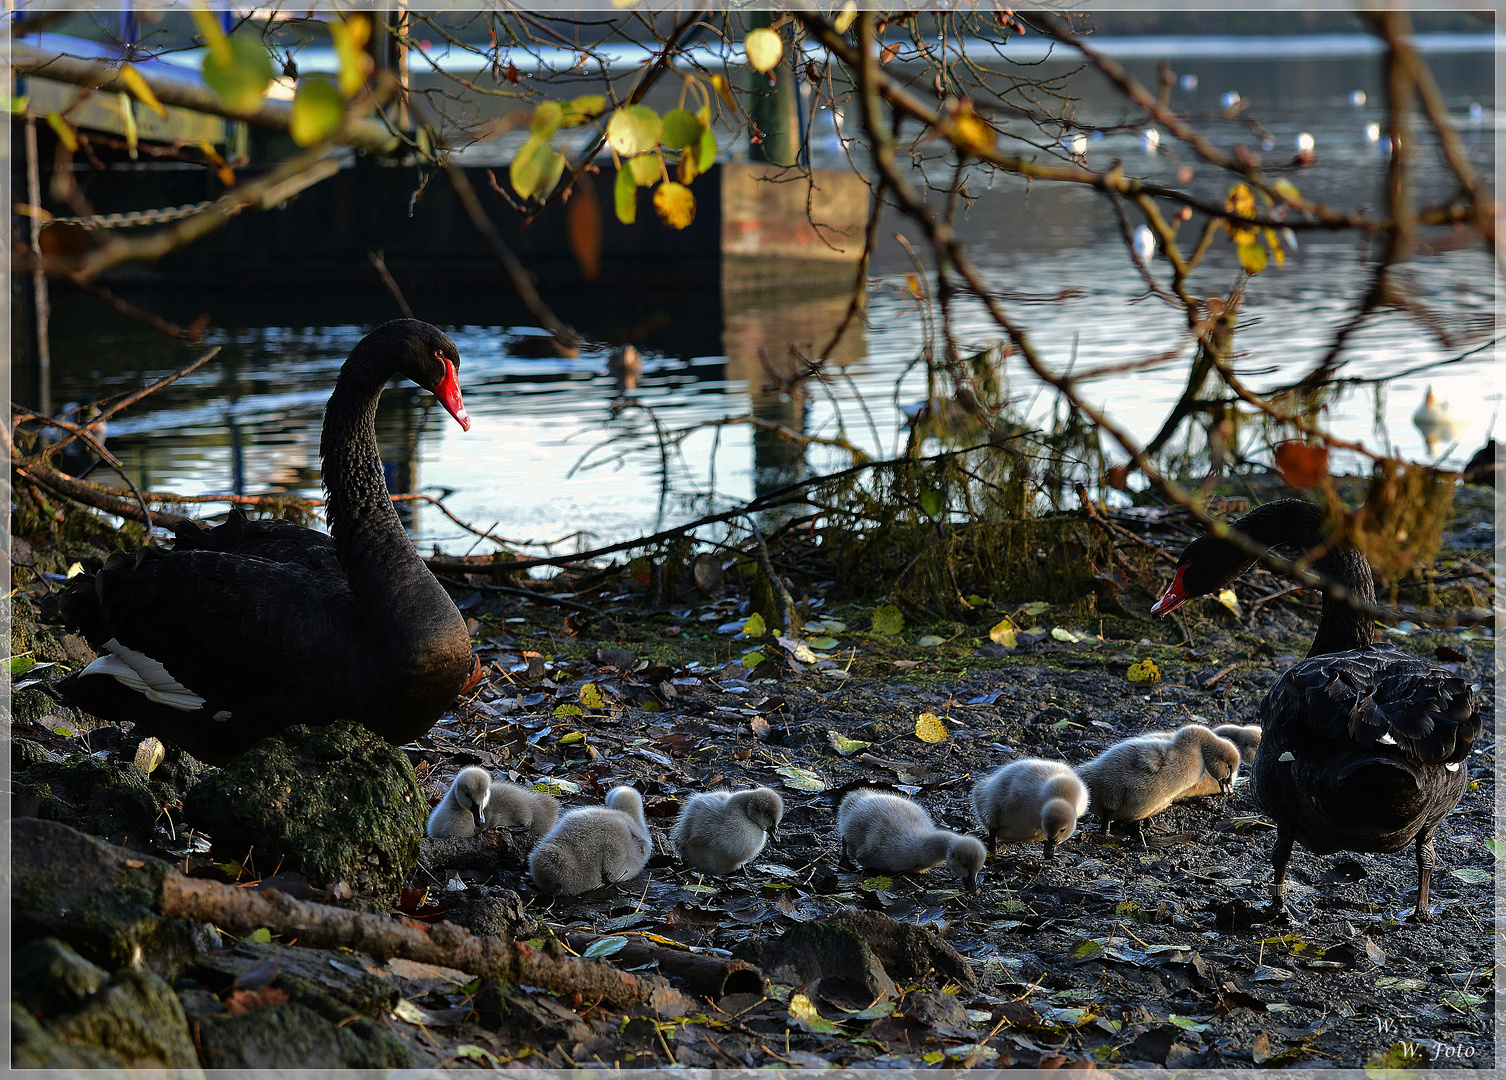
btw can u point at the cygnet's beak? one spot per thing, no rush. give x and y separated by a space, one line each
479 816
1226 785
1050 848
970 883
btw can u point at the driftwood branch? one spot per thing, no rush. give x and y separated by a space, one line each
705 976
491 849
62 869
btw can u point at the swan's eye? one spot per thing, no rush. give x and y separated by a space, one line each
439 356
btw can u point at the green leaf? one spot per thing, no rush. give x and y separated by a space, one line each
1034 608
570 738
1186 1023
645 169
801 779
1003 633
239 74
752 660
625 195
706 149
554 785
877 883
1064 635
803 1012
1252 257
591 697
932 502
605 946
755 627
586 107
532 163
568 710
19 665
634 130
262 936
478 1053
888 620
547 118
318 111
681 129
930 641
1462 1000
822 643
1086 949
845 746
1472 875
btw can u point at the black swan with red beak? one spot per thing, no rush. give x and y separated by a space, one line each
1363 745
245 629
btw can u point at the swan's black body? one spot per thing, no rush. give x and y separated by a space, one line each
273 624
1363 745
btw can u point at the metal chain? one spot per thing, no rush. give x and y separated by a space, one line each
137 217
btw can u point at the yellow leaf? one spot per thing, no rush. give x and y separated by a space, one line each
570 738
1004 633
755 627
149 754
764 48
845 746
1273 242
136 84
675 204
64 131
1288 191
930 729
1145 671
724 90
1229 600
1252 257
972 134
591 696
846 16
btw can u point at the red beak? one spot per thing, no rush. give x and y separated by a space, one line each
448 393
1174 596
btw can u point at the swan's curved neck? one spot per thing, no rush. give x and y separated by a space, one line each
1293 521
385 572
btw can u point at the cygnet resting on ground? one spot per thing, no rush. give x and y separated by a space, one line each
463 809
719 831
887 832
1137 778
593 846
515 807
1030 799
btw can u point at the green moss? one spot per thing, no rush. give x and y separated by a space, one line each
334 802
34 1047
48 977
137 1018
93 796
292 1035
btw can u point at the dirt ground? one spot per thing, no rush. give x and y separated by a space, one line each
1112 953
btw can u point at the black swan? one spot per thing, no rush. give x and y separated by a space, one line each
1363 745
243 630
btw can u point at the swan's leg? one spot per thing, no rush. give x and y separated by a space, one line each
1140 832
1425 859
993 845
1280 855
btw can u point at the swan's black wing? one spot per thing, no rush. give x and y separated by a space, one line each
1373 698
264 644
273 540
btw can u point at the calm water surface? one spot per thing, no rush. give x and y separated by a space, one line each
556 448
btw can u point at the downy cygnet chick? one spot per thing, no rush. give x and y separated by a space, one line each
593 846
516 807
889 833
1246 739
463 809
1030 799
1137 778
719 831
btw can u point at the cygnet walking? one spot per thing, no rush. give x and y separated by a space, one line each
719 831
1138 778
889 833
1030 799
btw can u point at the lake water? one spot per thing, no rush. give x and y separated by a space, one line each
556 449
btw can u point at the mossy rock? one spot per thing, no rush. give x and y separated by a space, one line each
136 1018
291 1035
98 899
49 977
32 1046
30 638
836 956
335 802
112 801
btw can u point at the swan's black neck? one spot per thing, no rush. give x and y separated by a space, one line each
384 571
1300 524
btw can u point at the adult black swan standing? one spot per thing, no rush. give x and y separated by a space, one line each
243 630
1363 745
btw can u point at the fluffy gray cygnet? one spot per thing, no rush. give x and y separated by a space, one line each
463 809
719 831
515 807
593 846
1138 778
1030 799
890 833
